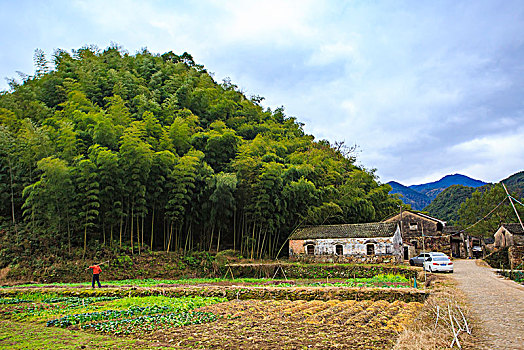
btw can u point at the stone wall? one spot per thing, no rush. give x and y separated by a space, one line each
412 225
315 270
245 293
432 244
516 257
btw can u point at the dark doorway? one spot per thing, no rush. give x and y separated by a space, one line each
339 250
310 250
406 253
455 249
371 249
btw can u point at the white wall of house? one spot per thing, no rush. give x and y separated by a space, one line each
503 238
350 246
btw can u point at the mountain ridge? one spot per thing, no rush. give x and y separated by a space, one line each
432 189
416 199
421 195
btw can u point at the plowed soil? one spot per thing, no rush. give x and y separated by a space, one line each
253 324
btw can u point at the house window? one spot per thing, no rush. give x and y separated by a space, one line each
389 249
413 226
339 250
371 249
310 249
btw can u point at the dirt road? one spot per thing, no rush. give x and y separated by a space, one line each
497 303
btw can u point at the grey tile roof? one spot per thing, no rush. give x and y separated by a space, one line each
415 213
516 229
451 229
374 229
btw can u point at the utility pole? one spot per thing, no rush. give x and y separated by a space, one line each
513 205
400 219
401 235
423 250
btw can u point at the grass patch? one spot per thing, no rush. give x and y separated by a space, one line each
18 336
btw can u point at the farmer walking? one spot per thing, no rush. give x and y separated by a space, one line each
96 275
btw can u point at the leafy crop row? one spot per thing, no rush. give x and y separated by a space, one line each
149 323
7 301
159 312
70 320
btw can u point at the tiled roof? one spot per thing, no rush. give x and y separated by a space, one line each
514 228
415 213
451 229
375 229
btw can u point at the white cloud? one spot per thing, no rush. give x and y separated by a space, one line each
333 52
426 84
274 21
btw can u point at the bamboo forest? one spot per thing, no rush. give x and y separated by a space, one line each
102 148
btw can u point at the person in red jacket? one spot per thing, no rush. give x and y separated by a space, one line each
96 275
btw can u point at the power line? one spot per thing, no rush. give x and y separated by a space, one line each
516 200
513 205
485 216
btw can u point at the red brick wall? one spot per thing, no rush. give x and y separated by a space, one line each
297 246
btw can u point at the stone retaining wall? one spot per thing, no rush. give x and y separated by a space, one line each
242 293
316 270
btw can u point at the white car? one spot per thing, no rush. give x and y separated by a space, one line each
419 260
438 263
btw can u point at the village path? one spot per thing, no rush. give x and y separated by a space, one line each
497 303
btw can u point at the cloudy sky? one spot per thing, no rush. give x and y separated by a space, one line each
424 88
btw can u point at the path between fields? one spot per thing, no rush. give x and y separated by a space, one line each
497 303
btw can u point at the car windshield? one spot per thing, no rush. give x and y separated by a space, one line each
440 258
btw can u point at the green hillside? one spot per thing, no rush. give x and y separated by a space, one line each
102 148
446 205
515 184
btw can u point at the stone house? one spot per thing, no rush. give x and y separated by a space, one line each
421 232
512 237
370 243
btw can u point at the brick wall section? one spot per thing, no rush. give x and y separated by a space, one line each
296 246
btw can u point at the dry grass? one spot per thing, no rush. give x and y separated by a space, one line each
425 334
3 273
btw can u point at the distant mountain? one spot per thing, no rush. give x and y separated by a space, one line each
515 183
416 199
447 203
432 189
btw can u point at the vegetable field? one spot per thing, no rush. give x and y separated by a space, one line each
254 324
174 321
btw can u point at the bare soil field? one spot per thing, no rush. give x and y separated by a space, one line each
254 324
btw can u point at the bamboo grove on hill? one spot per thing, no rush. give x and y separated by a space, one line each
109 149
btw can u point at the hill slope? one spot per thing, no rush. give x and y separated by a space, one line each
447 203
515 183
417 200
